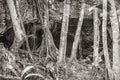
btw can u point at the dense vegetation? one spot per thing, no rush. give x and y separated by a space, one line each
59 40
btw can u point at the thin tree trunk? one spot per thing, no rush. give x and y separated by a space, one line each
96 38
34 37
96 44
45 23
19 34
2 18
51 48
80 48
78 32
116 40
64 31
104 35
22 26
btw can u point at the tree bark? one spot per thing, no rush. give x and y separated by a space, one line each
19 34
78 32
104 36
96 38
116 40
64 31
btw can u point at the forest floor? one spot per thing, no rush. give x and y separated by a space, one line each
86 71
22 67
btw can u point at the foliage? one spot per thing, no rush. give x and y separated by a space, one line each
36 58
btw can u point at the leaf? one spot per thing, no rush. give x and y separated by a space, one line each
9 66
9 77
9 55
35 74
26 69
40 66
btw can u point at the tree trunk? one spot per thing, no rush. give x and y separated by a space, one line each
96 44
51 48
22 26
80 48
104 35
116 39
96 38
78 32
64 31
19 34
2 18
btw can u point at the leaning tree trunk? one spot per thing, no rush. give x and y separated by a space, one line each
19 34
78 31
64 30
104 37
116 40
